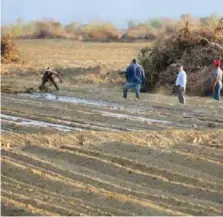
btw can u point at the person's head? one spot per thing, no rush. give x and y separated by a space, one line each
217 63
179 67
134 61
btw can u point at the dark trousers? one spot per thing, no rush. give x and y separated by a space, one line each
46 79
181 94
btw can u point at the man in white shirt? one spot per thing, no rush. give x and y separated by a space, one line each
181 83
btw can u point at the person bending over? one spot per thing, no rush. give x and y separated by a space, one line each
48 76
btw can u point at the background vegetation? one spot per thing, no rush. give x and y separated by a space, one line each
105 32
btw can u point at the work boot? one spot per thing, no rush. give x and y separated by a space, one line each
42 88
56 86
137 96
125 94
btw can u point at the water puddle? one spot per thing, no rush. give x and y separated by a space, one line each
110 105
76 100
30 122
136 118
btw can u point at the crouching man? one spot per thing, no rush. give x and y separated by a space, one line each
48 76
135 76
181 83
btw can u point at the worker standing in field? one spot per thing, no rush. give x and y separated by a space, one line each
217 80
135 76
48 76
181 83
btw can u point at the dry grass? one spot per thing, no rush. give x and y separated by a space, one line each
39 54
78 62
174 172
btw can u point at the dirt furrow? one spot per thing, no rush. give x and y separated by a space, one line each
53 208
151 156
150 169
127 173
167 202
76 188
101 183
82 204
14 207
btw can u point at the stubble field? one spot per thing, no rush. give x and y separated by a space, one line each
86 151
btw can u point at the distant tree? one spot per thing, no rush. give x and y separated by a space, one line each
156 23
19 21
210 20
131 24
186 17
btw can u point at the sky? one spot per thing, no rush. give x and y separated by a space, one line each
118 12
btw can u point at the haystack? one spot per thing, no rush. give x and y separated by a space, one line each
9 52
196 49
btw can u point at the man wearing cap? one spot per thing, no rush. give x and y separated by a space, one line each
181 83
48 76
217 83
135 76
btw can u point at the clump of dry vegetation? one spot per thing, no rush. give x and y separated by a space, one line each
9 52
104 32
195 47
48 30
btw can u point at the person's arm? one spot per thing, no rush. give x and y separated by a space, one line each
178 80
127 73
42 75
184 80
121 73
143 74
57 74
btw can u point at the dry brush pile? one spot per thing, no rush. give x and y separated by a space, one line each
195 48
9 52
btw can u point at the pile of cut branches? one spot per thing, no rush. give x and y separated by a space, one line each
195 48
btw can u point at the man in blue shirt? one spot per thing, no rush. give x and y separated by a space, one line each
135 76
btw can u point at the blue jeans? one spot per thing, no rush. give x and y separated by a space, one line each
217 92
131 85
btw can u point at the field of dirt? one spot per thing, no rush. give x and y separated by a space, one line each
84 150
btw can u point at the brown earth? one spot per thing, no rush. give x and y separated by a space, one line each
99 173
147 157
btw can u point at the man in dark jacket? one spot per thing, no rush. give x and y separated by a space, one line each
48 76
135 76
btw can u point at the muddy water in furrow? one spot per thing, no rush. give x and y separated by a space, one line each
87 114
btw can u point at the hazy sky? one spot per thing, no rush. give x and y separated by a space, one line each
116 11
